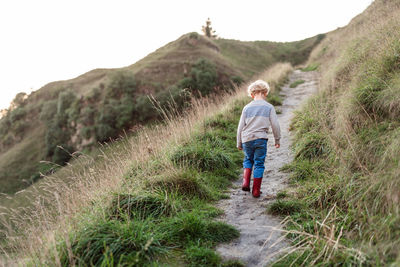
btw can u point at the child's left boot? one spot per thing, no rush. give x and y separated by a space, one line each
257 187
246 179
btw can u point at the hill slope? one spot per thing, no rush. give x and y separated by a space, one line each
347 146
147 200
76 114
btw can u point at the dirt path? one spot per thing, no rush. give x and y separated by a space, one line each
248 214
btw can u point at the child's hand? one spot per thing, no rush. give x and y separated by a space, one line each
277 145
240 148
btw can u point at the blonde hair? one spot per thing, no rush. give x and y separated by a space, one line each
258 86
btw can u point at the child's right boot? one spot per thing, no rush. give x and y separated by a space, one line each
246 179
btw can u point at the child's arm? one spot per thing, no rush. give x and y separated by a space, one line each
276 130
239 131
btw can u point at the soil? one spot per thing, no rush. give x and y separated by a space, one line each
260 242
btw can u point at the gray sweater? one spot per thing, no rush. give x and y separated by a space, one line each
257 117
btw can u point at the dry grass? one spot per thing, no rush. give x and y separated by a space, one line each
279 72
87 182
356 115
325 241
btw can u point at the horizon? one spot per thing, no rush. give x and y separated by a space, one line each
67 47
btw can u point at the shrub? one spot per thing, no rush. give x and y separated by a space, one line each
17 114
19 127
86 132
4 125
62 154
121 83
87 116
203 78
237 80
49 109
55 135
194 35
144 109
125 112
107 121
65 99
173 97
104 132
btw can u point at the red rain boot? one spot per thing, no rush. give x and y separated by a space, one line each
256 187
246 179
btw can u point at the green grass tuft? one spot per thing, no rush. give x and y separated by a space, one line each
202 158
284 207
274 99
281 195
140 206
186 228
202 257
311 67
125 241
186 183
296 83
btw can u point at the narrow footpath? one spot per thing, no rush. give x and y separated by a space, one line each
247 214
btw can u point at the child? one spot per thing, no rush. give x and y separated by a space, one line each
252 134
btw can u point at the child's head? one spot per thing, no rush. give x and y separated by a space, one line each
258 87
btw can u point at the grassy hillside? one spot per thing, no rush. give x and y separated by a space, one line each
144 201
250 57
347 148
103 104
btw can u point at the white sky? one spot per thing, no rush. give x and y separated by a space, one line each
48 40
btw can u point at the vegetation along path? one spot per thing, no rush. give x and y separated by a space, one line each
257 243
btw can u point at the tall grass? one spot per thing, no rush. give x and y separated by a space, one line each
347 143
145 199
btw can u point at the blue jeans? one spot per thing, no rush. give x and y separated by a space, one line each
255 152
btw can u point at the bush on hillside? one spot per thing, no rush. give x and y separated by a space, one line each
144 109
203 78
237 80
62 154
87 115
48 110
17 114
58 132
125 111
122 83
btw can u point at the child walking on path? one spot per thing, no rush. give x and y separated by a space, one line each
252 134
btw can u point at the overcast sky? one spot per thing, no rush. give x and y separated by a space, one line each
48 40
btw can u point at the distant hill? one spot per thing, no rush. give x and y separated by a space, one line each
101 104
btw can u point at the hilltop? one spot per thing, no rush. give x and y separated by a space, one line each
76 115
